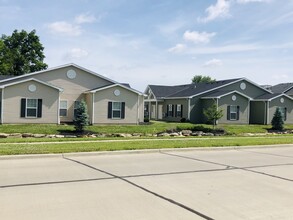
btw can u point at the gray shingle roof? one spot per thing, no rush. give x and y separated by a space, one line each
2 77
217 94
267 96
187 90
282 87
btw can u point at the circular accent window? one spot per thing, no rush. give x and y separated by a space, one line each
243 86
282 100
32 88
234 97
71 74
116 92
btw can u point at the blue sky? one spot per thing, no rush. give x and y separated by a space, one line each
162 42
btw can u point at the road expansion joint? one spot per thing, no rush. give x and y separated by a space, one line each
143 189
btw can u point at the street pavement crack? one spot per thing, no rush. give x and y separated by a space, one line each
144 189
230 166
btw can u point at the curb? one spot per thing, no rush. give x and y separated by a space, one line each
143 151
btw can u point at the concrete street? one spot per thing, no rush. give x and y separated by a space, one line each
233 183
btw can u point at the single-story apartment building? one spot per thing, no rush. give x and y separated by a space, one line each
52 96
242 102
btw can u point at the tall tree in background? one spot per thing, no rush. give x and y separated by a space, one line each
21 53
202 79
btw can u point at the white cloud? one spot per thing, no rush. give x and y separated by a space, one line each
219 10
178 48
213 63
64 28
85 18
280 77
198 37
77 53
249 1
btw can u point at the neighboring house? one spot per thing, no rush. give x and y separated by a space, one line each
286 88
242 101
52 95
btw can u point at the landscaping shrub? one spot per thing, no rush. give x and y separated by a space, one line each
277 121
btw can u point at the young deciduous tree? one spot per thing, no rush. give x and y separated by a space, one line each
202 79
277 121
213 114
81 118
21 53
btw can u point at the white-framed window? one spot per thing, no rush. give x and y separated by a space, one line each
31 108
63 108
283 111
179 110
170 110
116 110
233 112
76 104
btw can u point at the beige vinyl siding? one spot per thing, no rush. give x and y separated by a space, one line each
89 103
73 88
243 104
288 103
101 99
12 102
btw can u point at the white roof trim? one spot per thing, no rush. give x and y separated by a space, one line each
219 88
228 93
282 94
113 85
59 67
146 95
32 79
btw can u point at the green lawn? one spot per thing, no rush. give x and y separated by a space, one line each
10 146
155 127
45 148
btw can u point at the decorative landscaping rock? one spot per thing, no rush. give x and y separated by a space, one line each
164 134
59 136
207 134
51 136
26 135
174 134
70 136
15 135
39 135
3 135
186 132
137 134
197 133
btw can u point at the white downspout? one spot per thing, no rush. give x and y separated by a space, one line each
58 110
268 115
188 113
248 113
2 105
93 108
137 121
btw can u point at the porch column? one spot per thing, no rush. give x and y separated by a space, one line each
149 110
156 110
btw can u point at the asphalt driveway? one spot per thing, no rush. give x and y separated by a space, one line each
233 183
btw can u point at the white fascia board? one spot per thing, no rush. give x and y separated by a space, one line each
113 85
58 67
33 79
228 93
148 87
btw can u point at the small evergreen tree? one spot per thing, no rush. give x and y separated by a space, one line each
277 121
81 118
213 114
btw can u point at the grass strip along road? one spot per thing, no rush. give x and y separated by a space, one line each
136 144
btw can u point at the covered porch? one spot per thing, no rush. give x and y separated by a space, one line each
153 109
